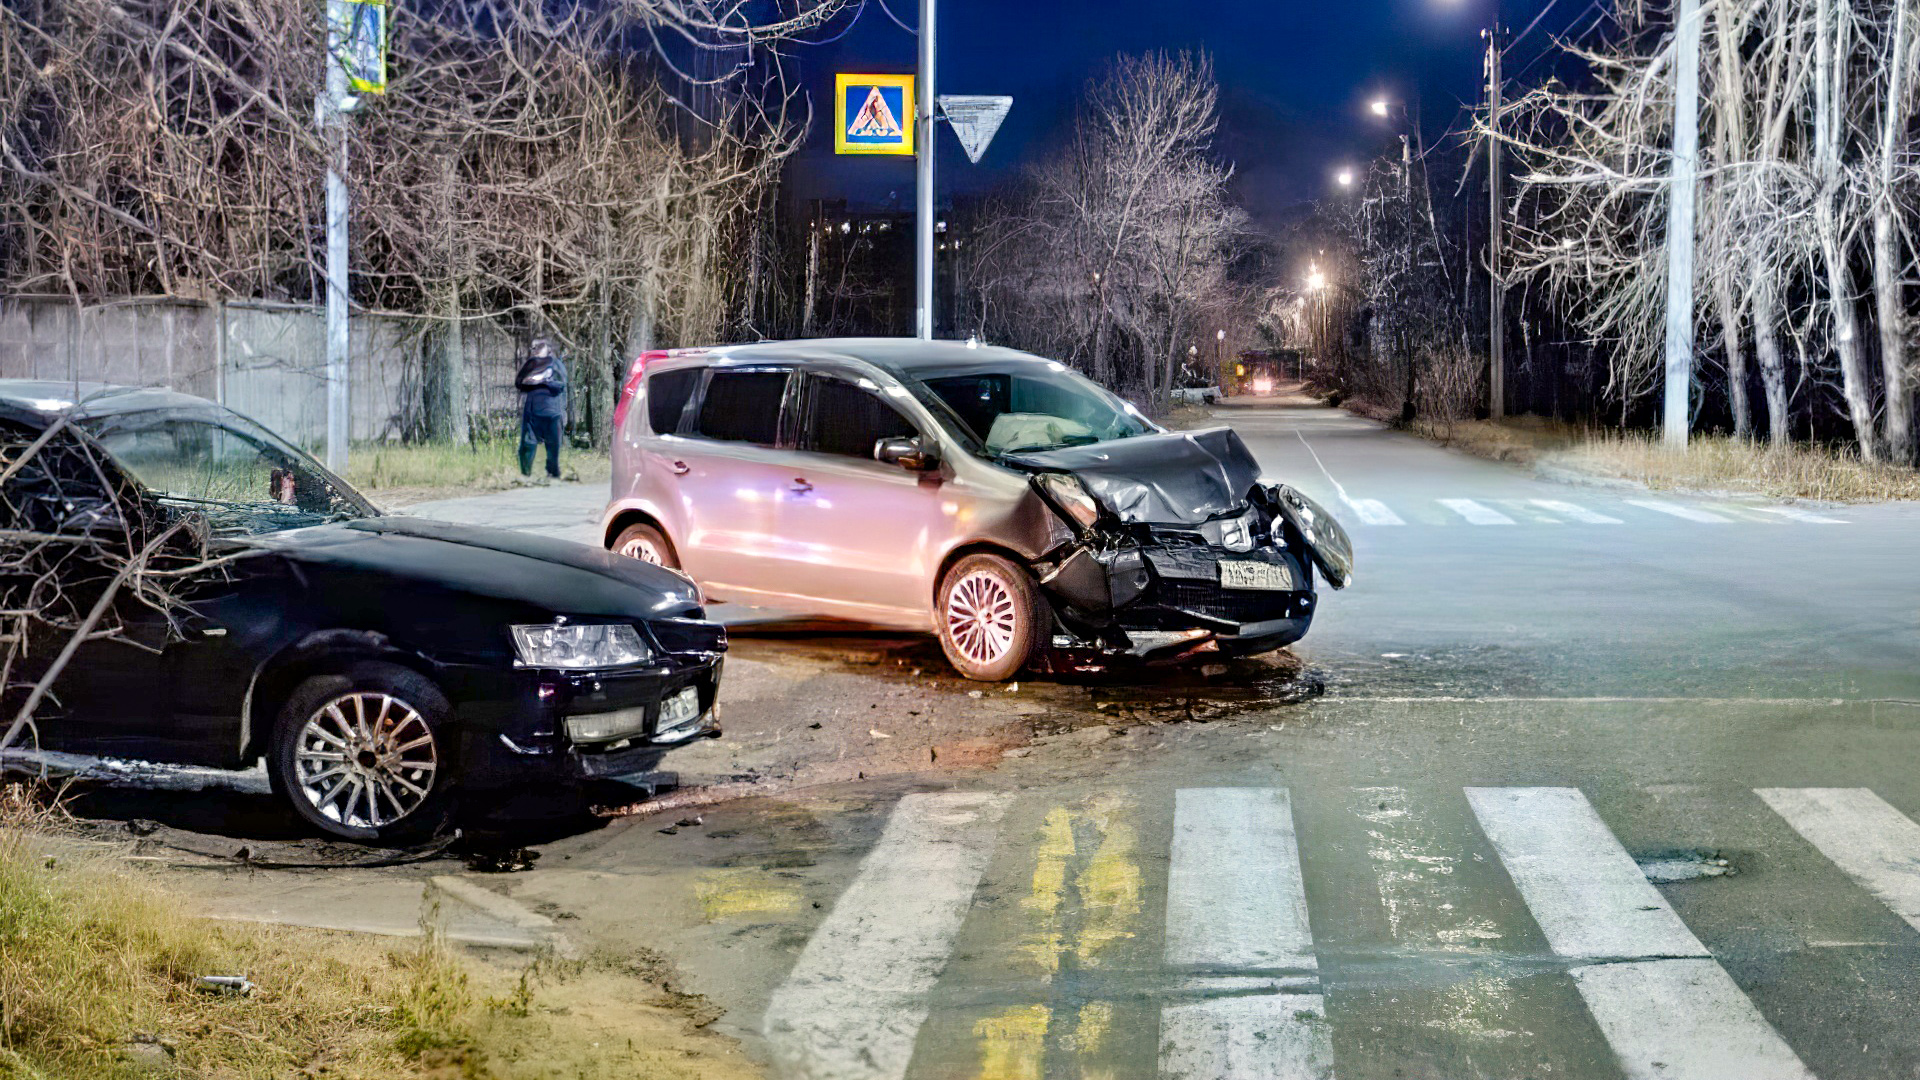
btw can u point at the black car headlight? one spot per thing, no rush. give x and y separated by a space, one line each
1069 496
580 645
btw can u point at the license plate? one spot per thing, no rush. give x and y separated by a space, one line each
1255 575
681 708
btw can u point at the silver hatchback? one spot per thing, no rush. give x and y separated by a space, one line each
993 497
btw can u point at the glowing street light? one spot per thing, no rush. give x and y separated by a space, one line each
1344 177
1379 106
1315 279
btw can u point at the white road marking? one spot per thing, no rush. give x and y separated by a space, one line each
1577 512
1675 1015
1235 901
1875 844
1797 514
855 1000
1374 512
1585 891
1688 513
1475 512
1684 1020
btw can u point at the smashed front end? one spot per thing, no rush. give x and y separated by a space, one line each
1178 547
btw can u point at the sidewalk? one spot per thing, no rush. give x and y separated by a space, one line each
567 511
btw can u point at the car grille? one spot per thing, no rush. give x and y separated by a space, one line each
1233 605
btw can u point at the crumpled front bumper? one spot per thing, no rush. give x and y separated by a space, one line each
1147 597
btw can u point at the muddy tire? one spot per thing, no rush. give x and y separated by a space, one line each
648 544
990 616
366 755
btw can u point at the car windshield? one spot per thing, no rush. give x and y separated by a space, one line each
1034 406
242 476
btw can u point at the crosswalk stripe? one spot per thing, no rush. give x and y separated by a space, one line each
1475 513
1576 512
1875 844
1374 512
1687 513
1796 514
854 1002
1236 906
1665 1006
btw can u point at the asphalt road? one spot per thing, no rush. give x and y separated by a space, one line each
1602 783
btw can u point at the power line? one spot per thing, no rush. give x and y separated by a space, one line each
896 19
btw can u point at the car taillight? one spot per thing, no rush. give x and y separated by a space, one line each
632 385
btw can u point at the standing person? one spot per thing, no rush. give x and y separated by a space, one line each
543 408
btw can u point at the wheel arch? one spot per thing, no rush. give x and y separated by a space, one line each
973 547
627 516
324 652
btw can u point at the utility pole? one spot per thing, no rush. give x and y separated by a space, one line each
924 106
1496 234
1686 149
335 102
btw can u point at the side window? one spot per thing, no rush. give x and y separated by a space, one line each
743 406
667 394
844 419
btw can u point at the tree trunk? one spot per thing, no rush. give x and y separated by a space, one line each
1829 76
1729 311
1766 347
1888 294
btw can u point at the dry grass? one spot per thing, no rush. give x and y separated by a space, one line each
397 474
1522 438
97 969
1722 463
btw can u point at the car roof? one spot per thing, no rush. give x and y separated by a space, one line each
897 356
45 399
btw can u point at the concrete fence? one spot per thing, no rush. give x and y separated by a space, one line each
265 360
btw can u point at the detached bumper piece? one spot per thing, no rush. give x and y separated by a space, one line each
1178 592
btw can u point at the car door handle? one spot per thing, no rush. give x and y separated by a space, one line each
680 468
800 486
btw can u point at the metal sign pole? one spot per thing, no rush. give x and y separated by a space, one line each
923 177
334 123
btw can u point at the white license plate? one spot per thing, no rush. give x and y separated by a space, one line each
681 708
1255 575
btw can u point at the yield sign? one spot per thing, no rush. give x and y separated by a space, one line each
974 117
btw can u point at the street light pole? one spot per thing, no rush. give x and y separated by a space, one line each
333 122
1496 229
923 177
1686 147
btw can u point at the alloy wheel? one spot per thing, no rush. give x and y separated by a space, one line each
644 549
981 617
365 760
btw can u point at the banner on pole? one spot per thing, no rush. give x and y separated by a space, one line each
975 117
873 114
357 31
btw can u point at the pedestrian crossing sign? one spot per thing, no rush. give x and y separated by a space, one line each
873 114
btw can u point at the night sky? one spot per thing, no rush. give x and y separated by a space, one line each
1295 79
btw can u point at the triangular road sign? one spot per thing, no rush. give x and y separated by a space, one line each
874 119
975 117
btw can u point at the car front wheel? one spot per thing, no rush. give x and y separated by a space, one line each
991 618
366 755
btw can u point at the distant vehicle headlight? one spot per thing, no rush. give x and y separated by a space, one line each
583 645
1069 496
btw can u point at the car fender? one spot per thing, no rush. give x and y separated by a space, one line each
276 676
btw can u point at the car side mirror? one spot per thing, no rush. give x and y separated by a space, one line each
909 454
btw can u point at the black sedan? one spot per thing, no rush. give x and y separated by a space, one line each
378 663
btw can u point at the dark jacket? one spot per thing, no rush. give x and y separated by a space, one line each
543 381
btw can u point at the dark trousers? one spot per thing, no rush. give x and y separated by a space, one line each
535 430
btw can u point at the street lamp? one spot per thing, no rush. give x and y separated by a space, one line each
1344 177
1379 106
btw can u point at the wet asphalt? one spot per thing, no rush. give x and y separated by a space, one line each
1356 904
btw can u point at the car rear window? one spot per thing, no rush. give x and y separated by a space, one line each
743 406
667 394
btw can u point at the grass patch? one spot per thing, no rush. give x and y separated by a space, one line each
1723 463
98 963
400 473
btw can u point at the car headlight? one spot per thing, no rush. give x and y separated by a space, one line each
1067 495
580 645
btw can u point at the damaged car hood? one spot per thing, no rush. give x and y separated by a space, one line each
554 575
1173 478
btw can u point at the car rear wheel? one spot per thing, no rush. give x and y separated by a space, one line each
365 755
648 544
991 618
